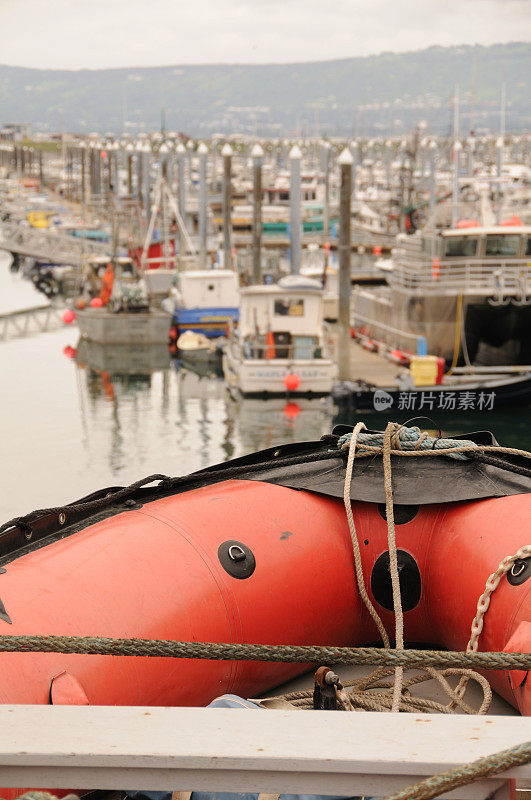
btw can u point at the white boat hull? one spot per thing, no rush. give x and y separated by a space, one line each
263 376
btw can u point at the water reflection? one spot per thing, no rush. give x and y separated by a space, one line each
141 411
76 418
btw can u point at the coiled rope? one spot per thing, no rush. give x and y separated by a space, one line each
404 439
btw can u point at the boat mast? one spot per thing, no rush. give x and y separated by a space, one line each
456 159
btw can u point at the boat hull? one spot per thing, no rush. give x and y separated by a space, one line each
266 377
484 395
100 325
159 571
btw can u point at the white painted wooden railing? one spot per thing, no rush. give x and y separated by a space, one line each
74 747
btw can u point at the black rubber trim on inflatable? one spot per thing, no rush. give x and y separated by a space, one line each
408 576
401 514
519 572
237 559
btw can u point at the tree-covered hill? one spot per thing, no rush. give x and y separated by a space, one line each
382 94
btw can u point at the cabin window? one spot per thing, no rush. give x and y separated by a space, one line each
528 246
457 246
289 308
502 244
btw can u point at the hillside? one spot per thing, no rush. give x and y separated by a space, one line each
382 94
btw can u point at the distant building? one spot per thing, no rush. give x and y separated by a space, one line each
15 131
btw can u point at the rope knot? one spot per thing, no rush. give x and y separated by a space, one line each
396 437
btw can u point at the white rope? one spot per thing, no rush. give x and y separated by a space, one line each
390 431
354 536
392 446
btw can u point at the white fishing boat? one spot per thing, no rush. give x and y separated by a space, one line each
281 343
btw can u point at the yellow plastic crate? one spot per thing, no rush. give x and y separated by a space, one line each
424 370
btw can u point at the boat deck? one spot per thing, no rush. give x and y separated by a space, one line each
371 367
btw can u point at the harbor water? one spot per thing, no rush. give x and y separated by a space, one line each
75 419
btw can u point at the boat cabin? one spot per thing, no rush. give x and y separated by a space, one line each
283 320
208 288
500 242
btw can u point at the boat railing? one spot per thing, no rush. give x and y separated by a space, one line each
497 279
287 352
47 244
364 236
387 333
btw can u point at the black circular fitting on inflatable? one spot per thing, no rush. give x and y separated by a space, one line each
409 578
401 513
519 572
237 559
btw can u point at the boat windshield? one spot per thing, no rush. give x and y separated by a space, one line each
502 244
289 308
461 246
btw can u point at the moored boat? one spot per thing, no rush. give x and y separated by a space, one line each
474 391
181 561
205 301
281 343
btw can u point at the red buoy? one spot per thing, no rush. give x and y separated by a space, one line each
68 316
291 411
292 382
96 302
69 351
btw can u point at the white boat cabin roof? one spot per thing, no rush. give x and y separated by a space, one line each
294 305
209 288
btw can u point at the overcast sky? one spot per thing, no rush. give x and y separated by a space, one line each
116 33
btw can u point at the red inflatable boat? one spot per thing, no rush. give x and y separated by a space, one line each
258 550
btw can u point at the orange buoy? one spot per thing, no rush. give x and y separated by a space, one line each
399 357
468 223
369 345
512 221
